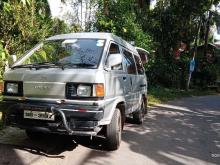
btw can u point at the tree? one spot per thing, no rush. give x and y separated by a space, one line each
120 18
82 14
24 23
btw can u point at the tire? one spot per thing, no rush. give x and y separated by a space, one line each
113 131
145 106
138 116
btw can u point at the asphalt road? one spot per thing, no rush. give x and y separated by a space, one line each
185 131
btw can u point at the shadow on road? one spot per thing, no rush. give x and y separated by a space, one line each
186 133
49 146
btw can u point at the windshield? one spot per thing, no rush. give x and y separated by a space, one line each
66 53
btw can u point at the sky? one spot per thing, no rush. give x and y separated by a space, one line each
57 8
64 10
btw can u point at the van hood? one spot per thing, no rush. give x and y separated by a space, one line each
51 82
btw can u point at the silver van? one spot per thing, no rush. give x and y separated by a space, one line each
83 84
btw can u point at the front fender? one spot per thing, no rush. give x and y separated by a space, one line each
109 108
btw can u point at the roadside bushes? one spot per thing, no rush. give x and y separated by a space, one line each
164 74
168 72
3 60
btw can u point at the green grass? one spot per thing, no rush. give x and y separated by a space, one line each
158 95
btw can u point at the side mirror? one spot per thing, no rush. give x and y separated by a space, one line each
114 60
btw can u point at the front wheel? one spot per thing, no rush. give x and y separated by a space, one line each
113 131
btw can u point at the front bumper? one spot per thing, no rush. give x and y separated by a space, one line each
69 118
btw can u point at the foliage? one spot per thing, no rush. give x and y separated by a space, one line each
82 14
3 58
169 74
173 21
22 26
25 23
170 23
120 19
160 30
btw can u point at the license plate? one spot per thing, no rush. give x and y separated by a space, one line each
38 115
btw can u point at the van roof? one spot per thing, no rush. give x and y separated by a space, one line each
94 35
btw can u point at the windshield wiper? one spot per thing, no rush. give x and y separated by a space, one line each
23 66
48 65
84 64
40 65
75 65
53 65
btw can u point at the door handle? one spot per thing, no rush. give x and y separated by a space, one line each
143 85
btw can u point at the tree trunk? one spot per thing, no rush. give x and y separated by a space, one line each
207 33
144 5
207 30
106 7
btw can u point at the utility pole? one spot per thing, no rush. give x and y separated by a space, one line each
192 62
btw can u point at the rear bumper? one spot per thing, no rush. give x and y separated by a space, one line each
69 118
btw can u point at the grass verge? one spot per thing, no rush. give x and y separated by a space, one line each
158 95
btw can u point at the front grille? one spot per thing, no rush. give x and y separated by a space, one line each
71 90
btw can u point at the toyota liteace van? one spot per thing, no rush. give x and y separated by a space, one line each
83 84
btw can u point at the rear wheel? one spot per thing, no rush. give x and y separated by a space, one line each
138 116
113 131
145 106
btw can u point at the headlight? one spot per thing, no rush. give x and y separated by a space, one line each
12 88
84 90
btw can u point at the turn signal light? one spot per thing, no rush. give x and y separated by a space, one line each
100 91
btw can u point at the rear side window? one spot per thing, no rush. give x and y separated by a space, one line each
140 68
129 62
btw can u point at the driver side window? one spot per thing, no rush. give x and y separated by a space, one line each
114 49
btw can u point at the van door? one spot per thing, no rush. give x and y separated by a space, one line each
115 79
130 79
140 81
